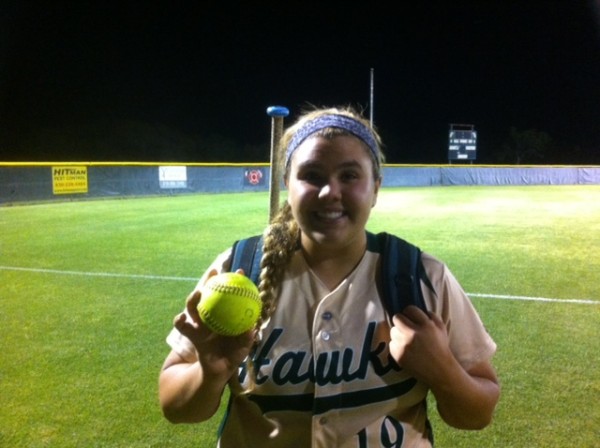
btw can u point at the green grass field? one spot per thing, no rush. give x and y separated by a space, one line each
88 291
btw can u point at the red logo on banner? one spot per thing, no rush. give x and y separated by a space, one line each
254 177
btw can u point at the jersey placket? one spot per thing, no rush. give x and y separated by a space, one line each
328 356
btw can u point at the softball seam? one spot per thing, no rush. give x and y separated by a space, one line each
234 290
214 326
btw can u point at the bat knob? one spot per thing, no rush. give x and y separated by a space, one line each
277 111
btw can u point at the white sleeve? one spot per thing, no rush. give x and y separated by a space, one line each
469 339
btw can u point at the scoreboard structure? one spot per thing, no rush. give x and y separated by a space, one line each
462 142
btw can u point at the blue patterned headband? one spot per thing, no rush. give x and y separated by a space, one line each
349 124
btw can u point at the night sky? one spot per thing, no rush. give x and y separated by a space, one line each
104 81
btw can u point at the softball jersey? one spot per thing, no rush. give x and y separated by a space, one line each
323 374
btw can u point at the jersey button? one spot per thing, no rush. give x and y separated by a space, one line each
323 420
327 315
325 336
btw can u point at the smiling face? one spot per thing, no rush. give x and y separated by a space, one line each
331 190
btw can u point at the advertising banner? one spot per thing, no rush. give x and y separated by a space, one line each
172 177
69 179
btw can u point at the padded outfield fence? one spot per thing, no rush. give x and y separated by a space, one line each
23 182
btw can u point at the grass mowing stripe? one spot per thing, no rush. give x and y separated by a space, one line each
162 277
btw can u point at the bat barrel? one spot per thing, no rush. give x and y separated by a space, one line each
277 114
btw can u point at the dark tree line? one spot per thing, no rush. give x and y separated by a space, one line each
136 140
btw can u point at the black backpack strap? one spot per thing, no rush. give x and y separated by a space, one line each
246 254
401 273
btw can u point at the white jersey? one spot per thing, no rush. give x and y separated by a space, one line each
324 374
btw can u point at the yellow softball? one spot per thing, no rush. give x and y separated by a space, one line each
230 304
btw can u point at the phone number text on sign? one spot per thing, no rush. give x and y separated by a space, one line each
69 179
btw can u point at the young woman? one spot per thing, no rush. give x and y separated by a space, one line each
326 366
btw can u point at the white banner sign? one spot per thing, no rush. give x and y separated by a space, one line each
172 176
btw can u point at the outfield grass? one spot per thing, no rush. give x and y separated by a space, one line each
83 324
